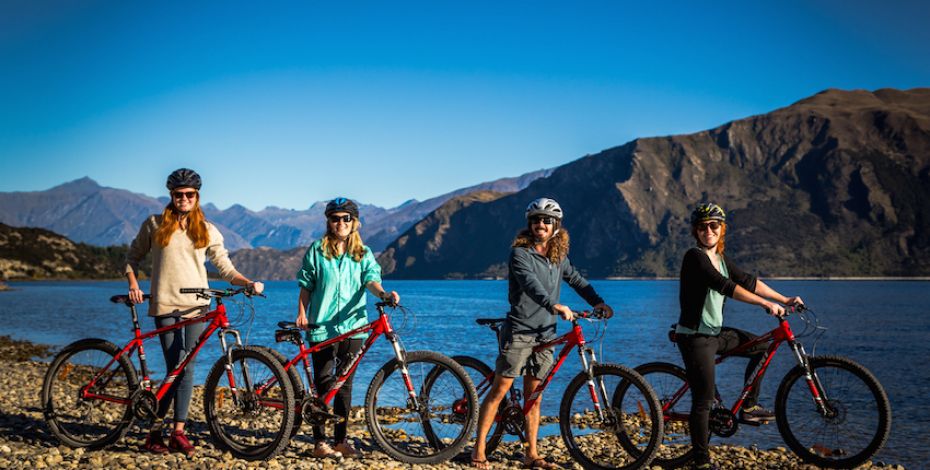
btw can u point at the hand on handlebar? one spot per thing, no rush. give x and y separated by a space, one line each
392 298
774 309
607 311
135 295
255 288
563 311
795 302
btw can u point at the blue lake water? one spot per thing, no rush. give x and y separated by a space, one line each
881 324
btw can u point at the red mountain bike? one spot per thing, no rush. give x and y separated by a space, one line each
594 419
831 411
92 391
408 417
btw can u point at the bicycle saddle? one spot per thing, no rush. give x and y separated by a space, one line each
289 325
490 321
124 299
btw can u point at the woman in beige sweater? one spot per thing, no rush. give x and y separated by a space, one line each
180 240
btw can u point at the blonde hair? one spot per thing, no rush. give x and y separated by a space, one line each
354 246
171 222
558 244
721 244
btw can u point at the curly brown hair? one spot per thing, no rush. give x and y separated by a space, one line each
558 244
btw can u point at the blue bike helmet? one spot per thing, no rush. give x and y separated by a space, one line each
341 204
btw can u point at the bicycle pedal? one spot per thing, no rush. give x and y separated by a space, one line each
752 423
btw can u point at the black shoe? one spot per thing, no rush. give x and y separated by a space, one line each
756 414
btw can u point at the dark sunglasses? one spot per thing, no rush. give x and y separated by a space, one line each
184 194
543 219
712 225
336 218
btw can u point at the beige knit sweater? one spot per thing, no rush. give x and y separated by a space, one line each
178 265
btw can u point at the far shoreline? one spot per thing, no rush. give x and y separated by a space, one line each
8 285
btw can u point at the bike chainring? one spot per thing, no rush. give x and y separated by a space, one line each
315 412
144 404
513 420
722 422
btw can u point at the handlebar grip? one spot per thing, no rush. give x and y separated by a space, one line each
192 290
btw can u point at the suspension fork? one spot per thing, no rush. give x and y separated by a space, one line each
401 356
227 353
593 387
810 376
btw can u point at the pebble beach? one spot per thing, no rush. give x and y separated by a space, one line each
26 442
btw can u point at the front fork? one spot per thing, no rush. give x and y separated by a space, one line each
227 353
401 356
594 386
810 376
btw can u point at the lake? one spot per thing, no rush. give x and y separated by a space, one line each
880 324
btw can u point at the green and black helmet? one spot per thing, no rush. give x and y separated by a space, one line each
707 211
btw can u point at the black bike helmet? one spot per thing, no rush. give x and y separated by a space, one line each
341 204
183 178
707 211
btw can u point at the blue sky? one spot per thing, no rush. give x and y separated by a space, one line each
289 103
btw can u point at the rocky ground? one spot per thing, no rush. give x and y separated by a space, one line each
26 442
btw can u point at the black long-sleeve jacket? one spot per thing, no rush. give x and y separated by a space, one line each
698 275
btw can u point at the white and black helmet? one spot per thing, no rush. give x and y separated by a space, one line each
544 206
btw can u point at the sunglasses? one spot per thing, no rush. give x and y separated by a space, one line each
543 219
336 218
184 194
712 225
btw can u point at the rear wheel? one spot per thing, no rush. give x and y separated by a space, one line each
250 409
483 377
296 383
86 394
439 426
670 384
857 421
622 429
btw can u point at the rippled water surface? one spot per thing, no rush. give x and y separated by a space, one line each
883 325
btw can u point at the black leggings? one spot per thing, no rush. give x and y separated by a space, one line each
324 375
698 353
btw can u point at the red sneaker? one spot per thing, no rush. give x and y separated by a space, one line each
155 444
179 443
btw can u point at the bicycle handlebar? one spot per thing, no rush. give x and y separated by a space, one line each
208 293
596 314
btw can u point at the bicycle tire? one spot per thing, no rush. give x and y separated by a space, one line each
264 433
387 409
297 384
627 412
867 405
667 380
482 387
93 424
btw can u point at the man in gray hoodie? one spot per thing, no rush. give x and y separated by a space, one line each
538 264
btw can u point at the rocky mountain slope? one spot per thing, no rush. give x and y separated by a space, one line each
87 212
835 184
34 253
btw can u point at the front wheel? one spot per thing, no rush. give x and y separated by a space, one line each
87 392
250 408
671 386
414 409
607 412
857 418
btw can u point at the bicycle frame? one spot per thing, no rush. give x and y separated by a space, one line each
376 328
776 337
218 321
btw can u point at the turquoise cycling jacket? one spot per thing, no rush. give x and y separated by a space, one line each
337 291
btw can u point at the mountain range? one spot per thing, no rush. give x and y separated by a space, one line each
837 184
86 212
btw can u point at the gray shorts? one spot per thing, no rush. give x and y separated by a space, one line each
518 359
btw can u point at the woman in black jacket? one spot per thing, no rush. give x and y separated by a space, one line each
707 276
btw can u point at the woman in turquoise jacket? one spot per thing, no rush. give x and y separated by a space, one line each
335 272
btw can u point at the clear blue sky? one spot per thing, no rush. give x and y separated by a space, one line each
291 103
